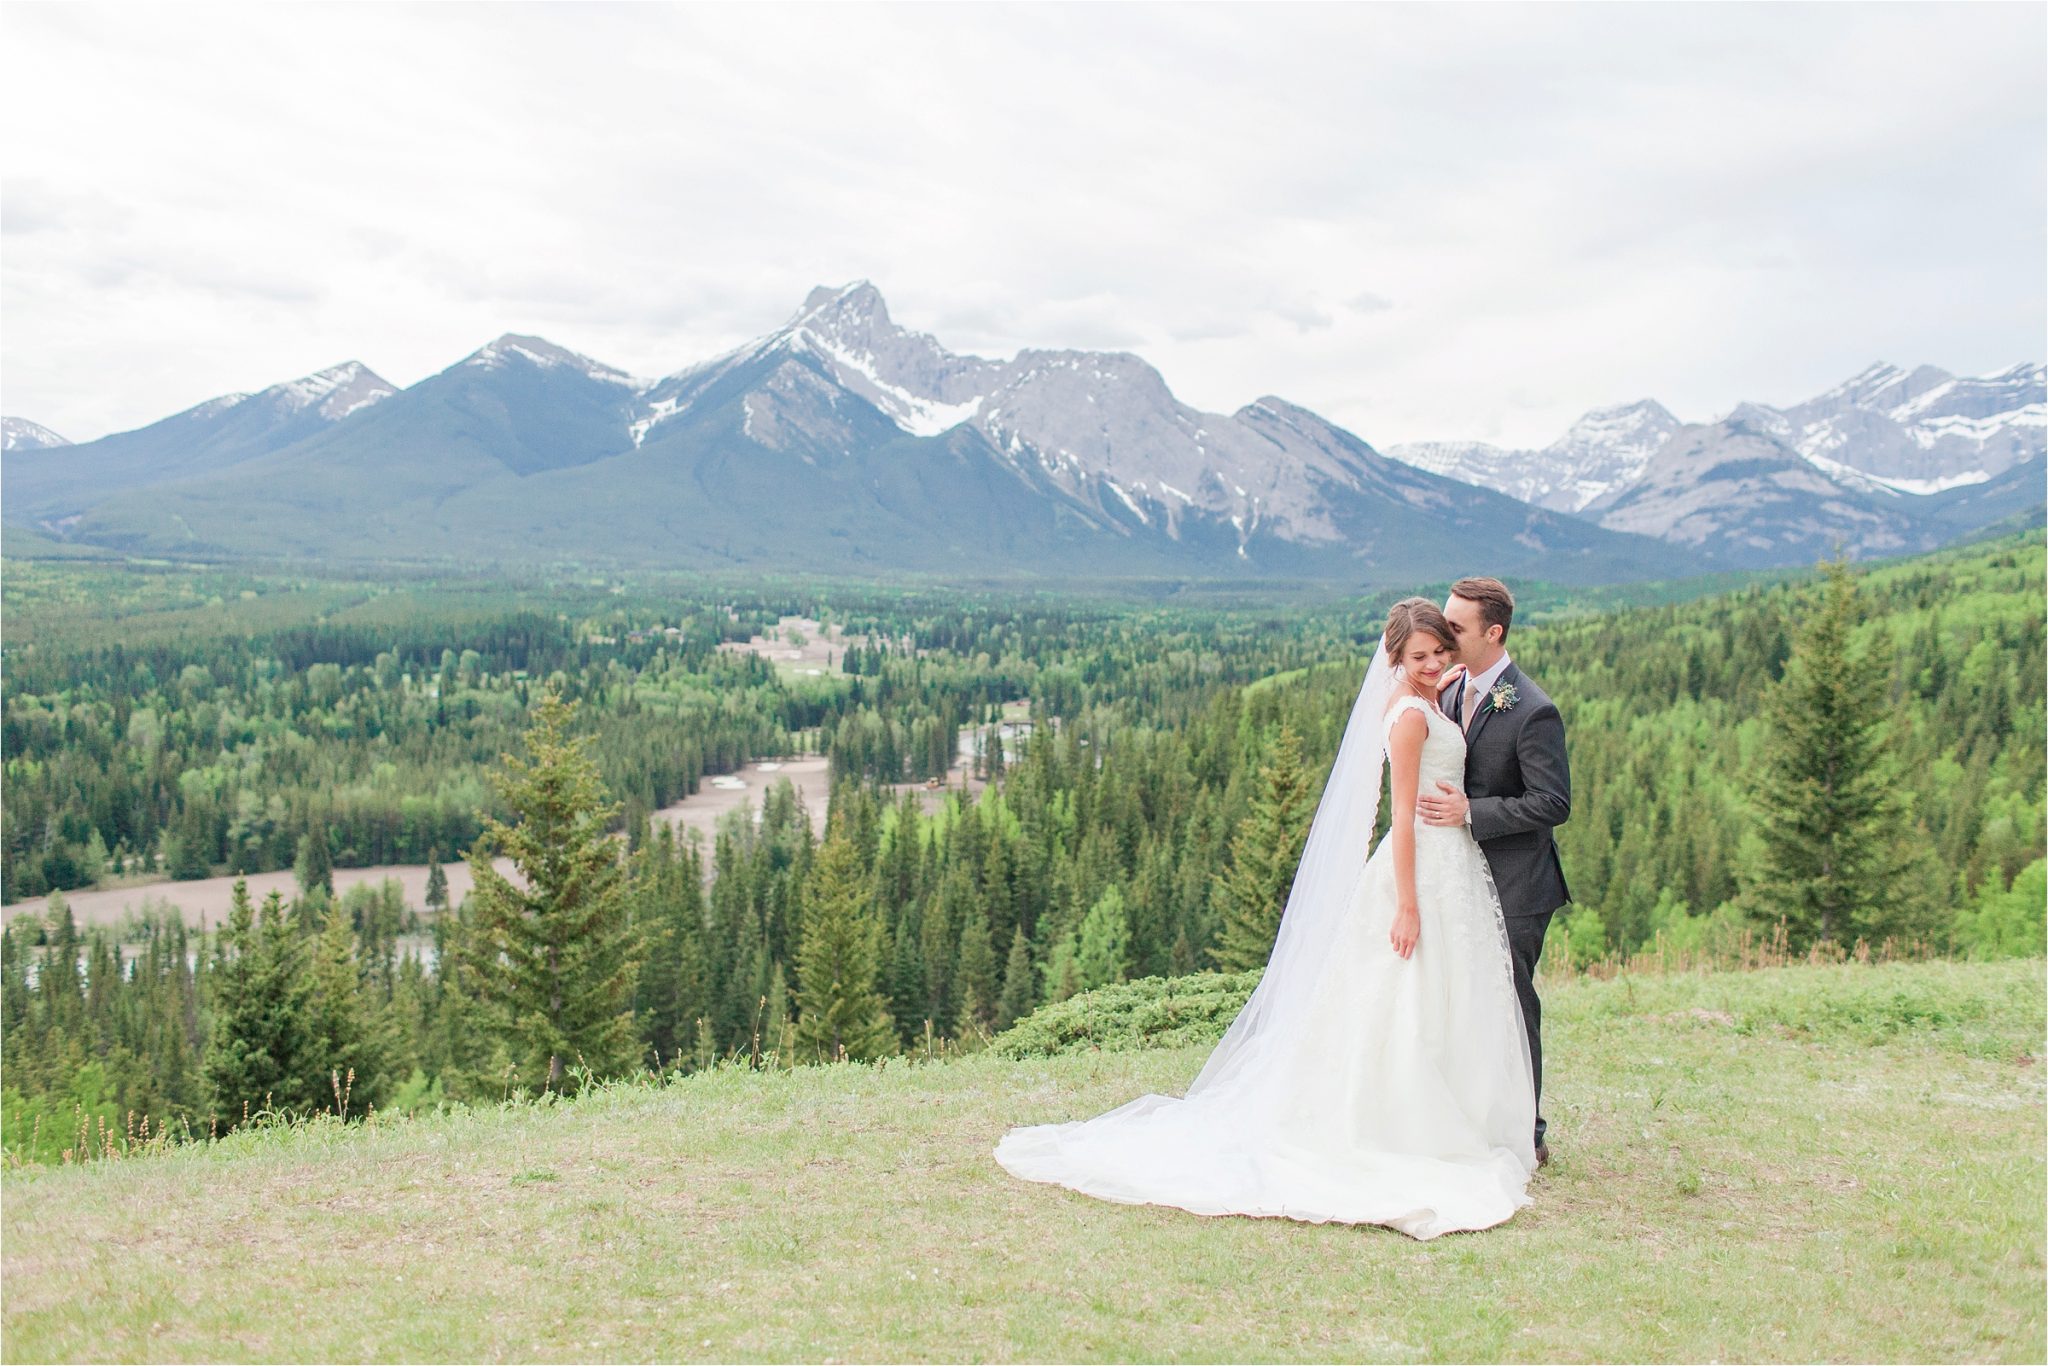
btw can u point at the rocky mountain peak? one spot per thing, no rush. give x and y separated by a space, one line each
333 393
1603 424
858 300
519 348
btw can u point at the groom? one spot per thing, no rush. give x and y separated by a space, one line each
1517 787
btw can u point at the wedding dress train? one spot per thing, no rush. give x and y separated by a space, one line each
1363 1088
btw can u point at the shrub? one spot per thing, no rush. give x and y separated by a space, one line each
1153 1012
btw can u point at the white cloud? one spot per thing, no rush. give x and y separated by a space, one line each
1423 221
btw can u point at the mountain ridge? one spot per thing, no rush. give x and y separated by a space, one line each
1918 432
878 447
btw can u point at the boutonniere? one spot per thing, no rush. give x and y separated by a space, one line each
1503 696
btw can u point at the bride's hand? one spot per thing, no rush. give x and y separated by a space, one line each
1449 677
1407 929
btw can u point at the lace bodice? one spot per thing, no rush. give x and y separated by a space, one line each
1443 749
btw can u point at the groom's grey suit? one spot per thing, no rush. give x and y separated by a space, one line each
1520 787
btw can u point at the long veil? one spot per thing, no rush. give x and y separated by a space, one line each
1332 862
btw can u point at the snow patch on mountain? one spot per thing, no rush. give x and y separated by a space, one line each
333 393
548 356
1884 430
20 434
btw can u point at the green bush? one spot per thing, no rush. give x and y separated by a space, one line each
1154 1012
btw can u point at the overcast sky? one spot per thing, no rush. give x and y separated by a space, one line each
1421 221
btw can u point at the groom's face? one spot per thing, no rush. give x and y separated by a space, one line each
1474 648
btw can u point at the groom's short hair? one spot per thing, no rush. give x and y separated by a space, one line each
1496 604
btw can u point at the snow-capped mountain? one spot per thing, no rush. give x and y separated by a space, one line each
20 434
1605 449
1102 427
331 394
515 349
842 441
213 435
1735 492
1917 432
1926 431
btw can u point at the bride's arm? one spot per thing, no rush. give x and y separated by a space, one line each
1404 761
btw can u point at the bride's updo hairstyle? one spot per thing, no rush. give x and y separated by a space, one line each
1411 615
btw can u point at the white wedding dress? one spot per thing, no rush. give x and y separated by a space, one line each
1355 1086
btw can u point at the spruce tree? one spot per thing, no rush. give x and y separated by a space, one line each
1020 993
842 1012
340 1034
977 974
437 882
1263 857
314 867
557 958
282 955
466 1051
1104 941
939 945
59 984
668 902
254 1052
1827 817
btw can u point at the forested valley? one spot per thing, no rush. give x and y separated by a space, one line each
1162 765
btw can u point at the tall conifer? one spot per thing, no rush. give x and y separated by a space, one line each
1263 858
341 1033
1828 819
558 957
842 1012
256 1048
1020 992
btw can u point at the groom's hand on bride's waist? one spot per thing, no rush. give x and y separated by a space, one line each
1445 806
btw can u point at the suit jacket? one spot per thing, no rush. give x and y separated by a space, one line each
1520 786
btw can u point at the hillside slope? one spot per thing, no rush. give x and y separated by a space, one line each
1795 1164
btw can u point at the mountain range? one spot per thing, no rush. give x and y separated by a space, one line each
1886 462
843 442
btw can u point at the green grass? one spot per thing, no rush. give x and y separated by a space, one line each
1798 1164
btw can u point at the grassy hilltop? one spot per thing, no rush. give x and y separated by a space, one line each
1798 1163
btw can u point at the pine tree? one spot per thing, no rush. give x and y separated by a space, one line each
314 867
465 1052
668 901
558 958
1019 993
58 984
340 1035
255 1051
1263 857
1062 973
437 882
842 1012
1104 941
1827 817
977 974
939 945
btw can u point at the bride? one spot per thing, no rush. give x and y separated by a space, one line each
1380 1072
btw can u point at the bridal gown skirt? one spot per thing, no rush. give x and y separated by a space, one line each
1398 1094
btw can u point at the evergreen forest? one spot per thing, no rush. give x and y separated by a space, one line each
1846 761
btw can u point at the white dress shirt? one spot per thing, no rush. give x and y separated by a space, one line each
1476 688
